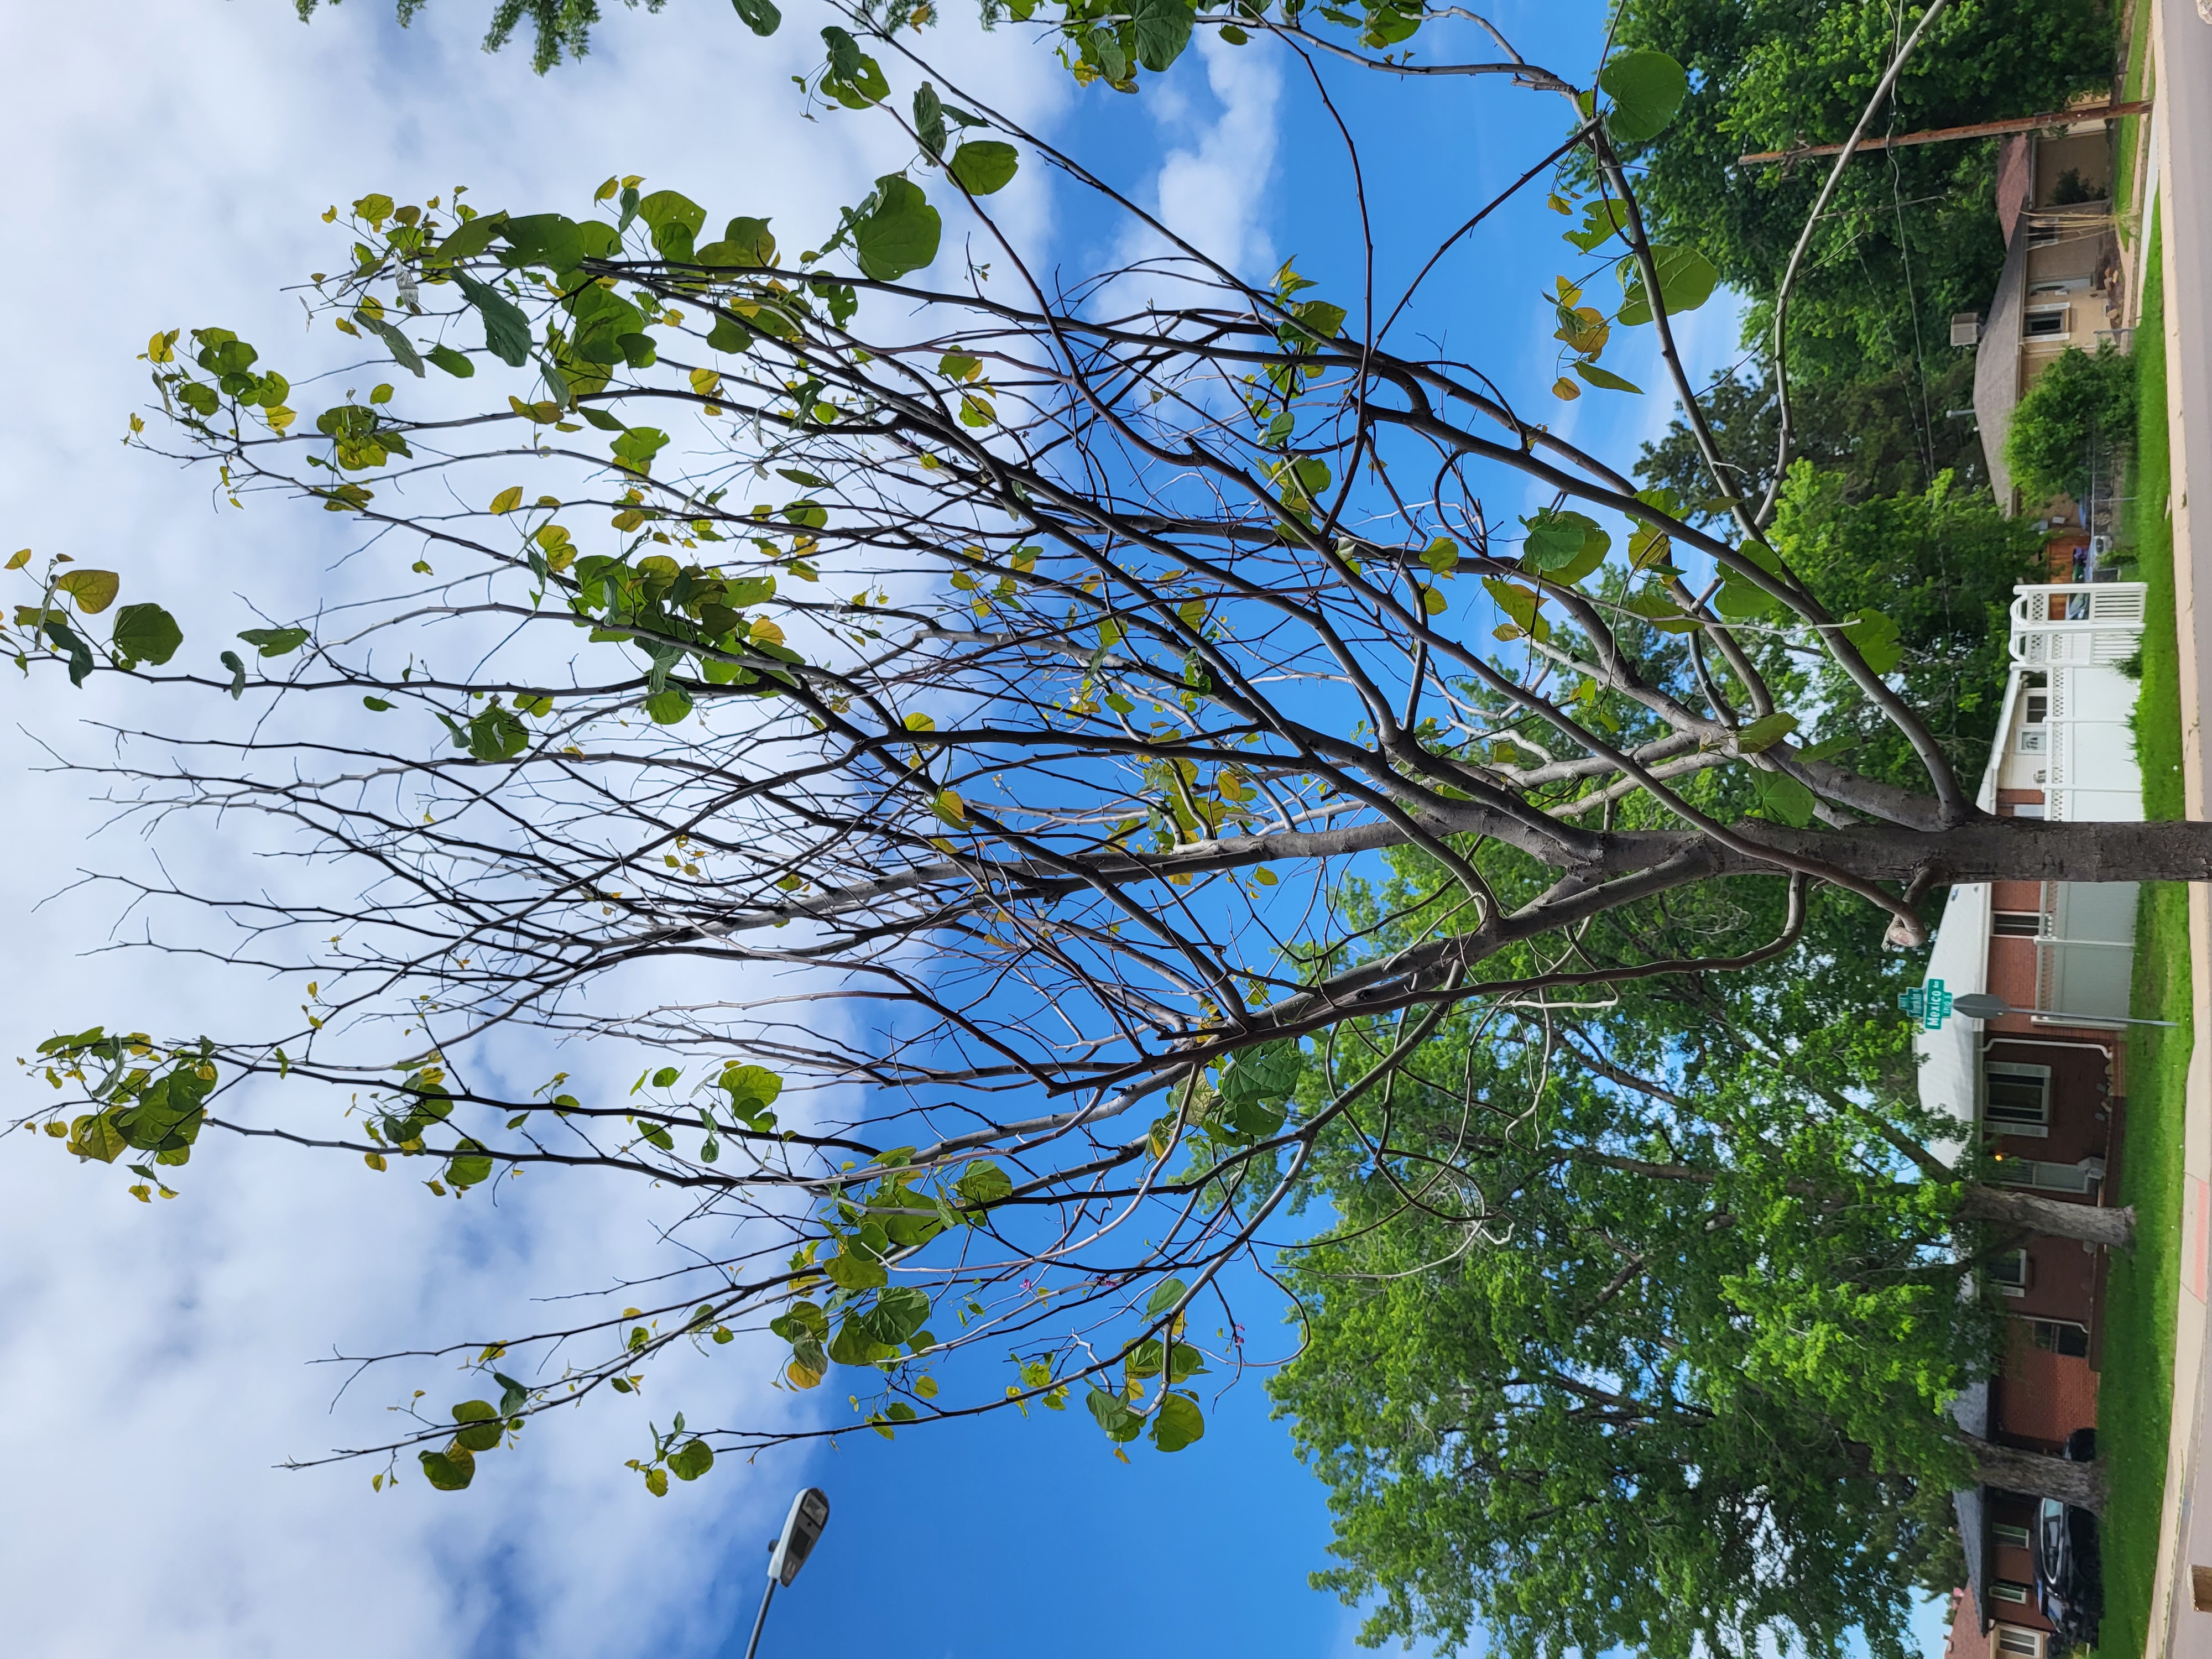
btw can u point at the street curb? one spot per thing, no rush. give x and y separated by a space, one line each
2171 1633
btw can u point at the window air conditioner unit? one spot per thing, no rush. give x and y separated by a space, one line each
1966 328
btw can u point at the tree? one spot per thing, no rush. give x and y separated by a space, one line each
1943 564
1639 1321
562 27
972 690
1619 1409
1914 240
1883 432
2070 429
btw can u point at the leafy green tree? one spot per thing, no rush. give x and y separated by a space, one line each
1913 238
1942 564
1883 432
1565 1393
2074 425
967 691
1638 1320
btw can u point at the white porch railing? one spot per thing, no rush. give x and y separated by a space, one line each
2064 622
2071 636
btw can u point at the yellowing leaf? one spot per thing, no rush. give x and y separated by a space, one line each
1565 389
93 590
96 1136
1647 545
508 499
19 559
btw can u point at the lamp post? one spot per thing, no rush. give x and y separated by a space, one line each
810 1513
1978 1004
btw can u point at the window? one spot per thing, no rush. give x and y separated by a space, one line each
2031 740
2038 707
2028 1643
2009 1272
2047 324
2012 1537
2059 1336
2034 1172
2016 1095
2017 924
2004 1590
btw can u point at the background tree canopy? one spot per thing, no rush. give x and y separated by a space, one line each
1880 433
1914 234
1912 237
1636 1326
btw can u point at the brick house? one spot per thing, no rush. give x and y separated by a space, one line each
2043 1089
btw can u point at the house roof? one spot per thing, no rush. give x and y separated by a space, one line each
1959 957
1996 367
1971 1508
2016 182
1961 960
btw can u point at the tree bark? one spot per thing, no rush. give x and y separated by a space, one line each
1985 849
2111 1225
2039 1474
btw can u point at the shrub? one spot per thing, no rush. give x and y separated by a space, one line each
2072 424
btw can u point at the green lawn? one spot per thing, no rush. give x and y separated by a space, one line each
2135 1400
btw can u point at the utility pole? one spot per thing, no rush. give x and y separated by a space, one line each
1945 135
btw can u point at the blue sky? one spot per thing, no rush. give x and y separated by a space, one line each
172 159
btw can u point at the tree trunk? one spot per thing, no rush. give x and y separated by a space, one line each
2111 1225
1982 849
2039 1474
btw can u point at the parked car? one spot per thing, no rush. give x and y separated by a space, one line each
2070 1581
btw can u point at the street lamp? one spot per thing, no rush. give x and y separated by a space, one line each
1978 1004
1931 1004
810 1513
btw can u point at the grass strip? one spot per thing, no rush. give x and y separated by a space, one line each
2134 78
2135 1400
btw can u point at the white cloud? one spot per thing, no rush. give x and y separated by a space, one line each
171 161
1211 190
1213 193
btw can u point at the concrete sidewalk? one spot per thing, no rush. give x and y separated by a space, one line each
2182 135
